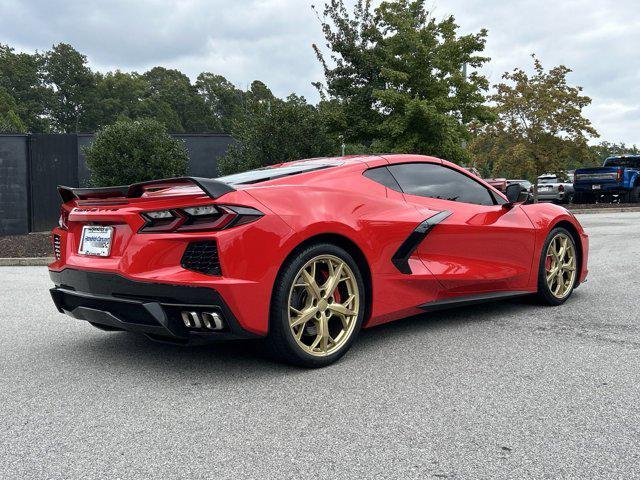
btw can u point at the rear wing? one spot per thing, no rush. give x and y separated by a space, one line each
212 188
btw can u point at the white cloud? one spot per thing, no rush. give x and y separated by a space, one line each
271 40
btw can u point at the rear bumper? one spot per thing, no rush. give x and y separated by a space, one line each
153 309
551 196
604 188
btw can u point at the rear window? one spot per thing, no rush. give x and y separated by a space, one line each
622 162
542 181
271 173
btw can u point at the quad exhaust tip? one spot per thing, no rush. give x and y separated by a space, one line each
211 321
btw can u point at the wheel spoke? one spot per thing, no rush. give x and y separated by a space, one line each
312 285
324 335
342 309
304 316
335 275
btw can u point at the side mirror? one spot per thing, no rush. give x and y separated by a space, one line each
516 195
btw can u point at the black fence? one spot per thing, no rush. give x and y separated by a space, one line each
32 166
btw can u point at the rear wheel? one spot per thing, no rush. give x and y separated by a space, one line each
317 307
558 272
634 195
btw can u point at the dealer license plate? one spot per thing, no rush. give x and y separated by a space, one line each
96 240
596 187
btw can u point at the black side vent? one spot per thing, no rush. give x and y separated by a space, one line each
57 248
202 257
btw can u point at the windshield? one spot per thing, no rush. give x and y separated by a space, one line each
627 162
271 173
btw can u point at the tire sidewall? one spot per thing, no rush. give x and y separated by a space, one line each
280 306
543 287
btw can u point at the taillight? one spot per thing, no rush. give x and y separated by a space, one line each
561 188
575 177
199 218
63 219
619 176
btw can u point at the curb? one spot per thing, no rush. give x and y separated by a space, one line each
26 262
604 210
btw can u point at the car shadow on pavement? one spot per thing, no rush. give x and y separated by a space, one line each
237 360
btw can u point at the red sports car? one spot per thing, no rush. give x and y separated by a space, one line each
305 253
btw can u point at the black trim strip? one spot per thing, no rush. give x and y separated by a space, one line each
213 188
401 258
470 300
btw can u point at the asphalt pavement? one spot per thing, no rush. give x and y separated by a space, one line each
506 390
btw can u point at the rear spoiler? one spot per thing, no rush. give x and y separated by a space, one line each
212 188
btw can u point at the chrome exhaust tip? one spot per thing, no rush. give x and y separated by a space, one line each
191 319
205 320
212 320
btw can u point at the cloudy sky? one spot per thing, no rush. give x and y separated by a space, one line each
271 40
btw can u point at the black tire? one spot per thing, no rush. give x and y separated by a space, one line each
280 340
544 295
568 199
634 195
579 198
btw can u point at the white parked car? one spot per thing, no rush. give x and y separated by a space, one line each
552 188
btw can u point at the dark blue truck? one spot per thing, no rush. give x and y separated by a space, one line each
619 177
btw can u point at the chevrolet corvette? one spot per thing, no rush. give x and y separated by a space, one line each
305 253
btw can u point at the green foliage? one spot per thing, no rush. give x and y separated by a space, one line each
21 76
224 100
133 151
172 92
73 86
398 78
10 122
540 127
273 131
604 150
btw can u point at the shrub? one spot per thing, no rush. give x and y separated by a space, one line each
134 151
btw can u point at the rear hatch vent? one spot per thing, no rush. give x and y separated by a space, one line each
202 257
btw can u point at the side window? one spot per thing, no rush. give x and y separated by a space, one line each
436 181
383 176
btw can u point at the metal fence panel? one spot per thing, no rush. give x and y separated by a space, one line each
204 152
54 161
14 194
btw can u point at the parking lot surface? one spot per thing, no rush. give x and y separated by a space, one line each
504 390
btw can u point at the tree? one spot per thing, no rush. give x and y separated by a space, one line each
171 90
133 151
119 95
539 127
273 131
21 78
224 100
604 150
10 122
399 77
74 87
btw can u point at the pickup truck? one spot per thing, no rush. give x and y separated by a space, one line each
618 176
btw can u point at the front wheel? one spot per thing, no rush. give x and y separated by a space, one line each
558 271
317 307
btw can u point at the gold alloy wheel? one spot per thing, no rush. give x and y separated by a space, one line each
324 302
560 265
